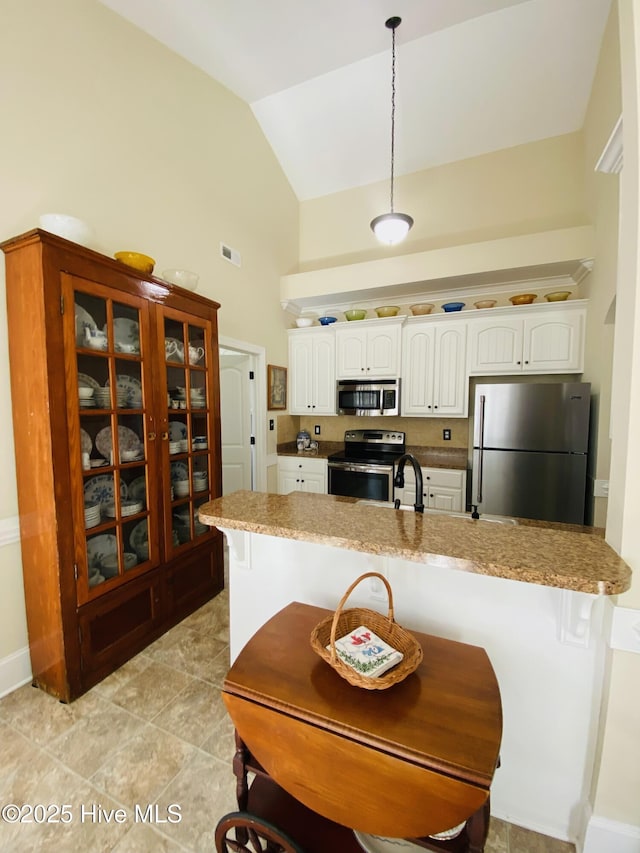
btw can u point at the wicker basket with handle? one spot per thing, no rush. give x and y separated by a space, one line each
343 621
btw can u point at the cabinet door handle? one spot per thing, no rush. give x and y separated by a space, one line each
151 436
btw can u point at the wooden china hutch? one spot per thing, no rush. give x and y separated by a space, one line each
116 416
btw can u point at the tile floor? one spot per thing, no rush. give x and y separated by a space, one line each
154 733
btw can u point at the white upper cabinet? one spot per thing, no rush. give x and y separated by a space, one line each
312 376
434 377
368 349
547 339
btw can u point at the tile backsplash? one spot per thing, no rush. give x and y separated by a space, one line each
419 431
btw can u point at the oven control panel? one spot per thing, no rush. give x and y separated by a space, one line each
374 436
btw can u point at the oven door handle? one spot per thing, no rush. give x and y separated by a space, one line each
367 469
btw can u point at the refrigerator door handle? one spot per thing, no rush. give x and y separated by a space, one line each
480 448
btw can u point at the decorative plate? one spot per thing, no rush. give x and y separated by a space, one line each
127 440
84 320
177 430
139 536
126 333
101 489
85 381
86 444
179 471
378 844
100 547
128 385
138 489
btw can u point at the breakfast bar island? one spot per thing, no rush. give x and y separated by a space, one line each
534 596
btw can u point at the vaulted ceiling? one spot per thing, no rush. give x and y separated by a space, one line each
473 76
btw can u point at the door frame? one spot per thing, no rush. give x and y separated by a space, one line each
258 363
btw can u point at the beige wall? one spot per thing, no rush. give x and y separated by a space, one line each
520 190
101 121
618 783
602 198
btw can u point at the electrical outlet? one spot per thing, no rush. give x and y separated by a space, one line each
601 488
316 429
446 435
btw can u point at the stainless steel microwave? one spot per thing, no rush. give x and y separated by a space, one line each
368 397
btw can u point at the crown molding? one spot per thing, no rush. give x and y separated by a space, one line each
611 159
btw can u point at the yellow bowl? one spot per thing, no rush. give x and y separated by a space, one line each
523 298
557 296
387 311
355 314
485 303
422 308
143 263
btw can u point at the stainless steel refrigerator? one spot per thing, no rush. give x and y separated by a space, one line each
530 444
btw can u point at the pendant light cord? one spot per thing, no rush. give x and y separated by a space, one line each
393 106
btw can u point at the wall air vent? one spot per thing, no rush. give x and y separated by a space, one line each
230 254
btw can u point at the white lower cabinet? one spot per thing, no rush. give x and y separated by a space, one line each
443 488
297 474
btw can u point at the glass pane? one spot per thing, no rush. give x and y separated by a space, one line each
137 539
91 319
102 557
126 329
134 532
174 341
178 435
199 528
176 386
129 384
182 524
196 349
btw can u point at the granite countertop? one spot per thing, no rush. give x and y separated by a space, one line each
428 457
564 556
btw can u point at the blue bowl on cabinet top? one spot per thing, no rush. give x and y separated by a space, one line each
453 306
326 321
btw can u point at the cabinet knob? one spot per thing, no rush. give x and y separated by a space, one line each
518 362
435 407
151 436
526 362
165 436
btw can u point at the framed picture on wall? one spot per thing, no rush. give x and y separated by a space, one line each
276 387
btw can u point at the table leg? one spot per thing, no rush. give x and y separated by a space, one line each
478 828
240 758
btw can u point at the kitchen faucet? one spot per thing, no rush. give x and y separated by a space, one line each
398 480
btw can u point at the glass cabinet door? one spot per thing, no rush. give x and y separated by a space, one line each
188 437
112 436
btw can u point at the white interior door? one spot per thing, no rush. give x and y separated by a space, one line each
237 421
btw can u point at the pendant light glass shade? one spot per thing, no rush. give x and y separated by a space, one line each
391 228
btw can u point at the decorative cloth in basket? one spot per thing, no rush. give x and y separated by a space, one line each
342 622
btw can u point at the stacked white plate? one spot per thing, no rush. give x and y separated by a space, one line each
103 397
200 484
123 399
126 508
174 447
91 514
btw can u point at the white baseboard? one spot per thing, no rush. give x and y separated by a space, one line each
15 670
607 836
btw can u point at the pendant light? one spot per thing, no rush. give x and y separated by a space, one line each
392 227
